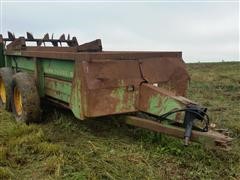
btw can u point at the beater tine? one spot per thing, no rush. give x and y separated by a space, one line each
11 36
62 37
68 38
75 42
30 36
46 37
74 38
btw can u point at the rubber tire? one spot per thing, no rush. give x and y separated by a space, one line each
6 75
30 98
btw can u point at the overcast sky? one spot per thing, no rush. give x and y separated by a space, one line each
204 31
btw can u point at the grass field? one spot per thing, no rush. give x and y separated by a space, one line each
63 147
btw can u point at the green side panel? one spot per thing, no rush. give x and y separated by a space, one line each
58 89
59 84
2 59
51 67
54 76
23 63
58 68
159 105
40 77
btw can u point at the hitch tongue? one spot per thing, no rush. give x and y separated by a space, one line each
219 139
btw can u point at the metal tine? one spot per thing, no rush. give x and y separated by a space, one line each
68 39
62 37
54 42
74 39
75 42
11 36
30 36
46 37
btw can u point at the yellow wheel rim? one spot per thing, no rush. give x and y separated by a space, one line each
18 101
2 92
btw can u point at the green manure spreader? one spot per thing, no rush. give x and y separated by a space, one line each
147 88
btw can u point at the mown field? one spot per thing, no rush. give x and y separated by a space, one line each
63 147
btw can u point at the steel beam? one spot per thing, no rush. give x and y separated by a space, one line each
214 137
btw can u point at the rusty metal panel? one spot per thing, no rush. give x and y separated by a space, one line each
112 86
111 101
166 70
108 73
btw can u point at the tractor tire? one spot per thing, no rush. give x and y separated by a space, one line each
25 98
5 88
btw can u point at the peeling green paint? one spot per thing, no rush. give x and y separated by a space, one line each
159 105
131 102
125 101
155 103
58 89
119 94
76 100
